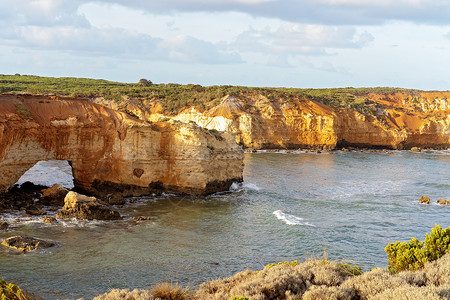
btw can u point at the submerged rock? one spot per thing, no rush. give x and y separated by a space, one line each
141 218
24 243
86 208
54 195
49 220
424 199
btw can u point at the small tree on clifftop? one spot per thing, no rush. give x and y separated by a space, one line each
144 82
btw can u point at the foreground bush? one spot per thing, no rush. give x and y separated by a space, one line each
414 254
10 291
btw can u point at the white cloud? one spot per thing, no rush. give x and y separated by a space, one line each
300 39
121 43
335 12
60 26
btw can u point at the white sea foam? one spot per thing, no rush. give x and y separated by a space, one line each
290 219
244 186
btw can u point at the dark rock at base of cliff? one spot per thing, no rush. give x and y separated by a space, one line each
215 186
54 195
424 199
114 199
86 208
20 197
35 211
25 244
3 225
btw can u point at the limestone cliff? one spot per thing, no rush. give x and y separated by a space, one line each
398 120
110 151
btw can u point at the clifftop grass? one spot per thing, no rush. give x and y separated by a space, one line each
175 97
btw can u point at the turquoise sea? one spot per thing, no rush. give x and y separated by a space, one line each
291 206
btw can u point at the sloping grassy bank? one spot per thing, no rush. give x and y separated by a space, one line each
311 280
417 270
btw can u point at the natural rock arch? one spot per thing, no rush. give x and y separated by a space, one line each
110 151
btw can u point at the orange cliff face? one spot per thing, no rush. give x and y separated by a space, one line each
395 121
110 152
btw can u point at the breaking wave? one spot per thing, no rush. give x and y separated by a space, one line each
290 219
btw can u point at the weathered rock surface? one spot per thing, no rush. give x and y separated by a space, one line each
424 199
111 152
391 121
54 195
443 202
86 208
23 243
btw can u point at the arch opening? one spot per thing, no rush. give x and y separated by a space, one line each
49 173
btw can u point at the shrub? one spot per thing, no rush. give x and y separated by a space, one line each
437 243
414 254
10 291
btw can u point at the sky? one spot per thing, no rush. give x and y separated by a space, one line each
267 43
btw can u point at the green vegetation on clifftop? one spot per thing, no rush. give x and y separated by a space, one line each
174 97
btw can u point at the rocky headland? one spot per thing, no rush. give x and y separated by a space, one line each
111 152
271 118
398 120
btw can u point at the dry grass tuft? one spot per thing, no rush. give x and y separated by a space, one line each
126 294
170 291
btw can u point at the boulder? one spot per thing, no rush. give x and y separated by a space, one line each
24 243
49 220
444 202
86 208
416 149
424 199
54 195
3 225
34 211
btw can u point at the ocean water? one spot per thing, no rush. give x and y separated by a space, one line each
290 206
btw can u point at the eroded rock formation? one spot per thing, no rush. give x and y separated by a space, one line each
111 152
391 120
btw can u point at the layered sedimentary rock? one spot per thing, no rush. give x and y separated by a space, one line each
391 120
112 152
